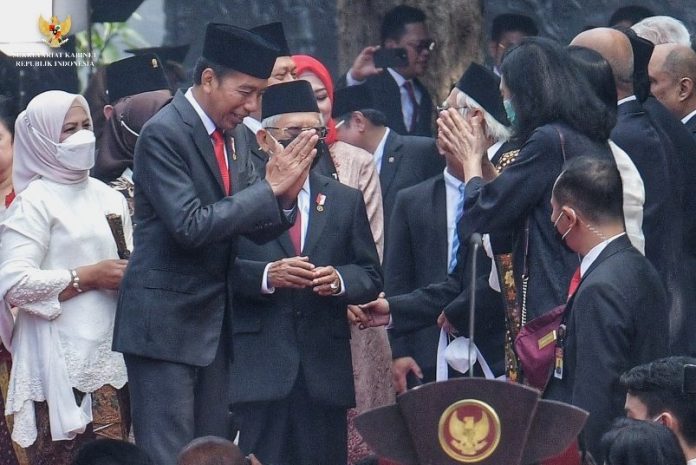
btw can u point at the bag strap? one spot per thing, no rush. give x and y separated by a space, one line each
525 268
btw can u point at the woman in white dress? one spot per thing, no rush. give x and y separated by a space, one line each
59 266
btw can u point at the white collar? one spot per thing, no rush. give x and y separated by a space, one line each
380 147
252 123
207 122
493 149
128 174
397 77
688 117
630 98
592 255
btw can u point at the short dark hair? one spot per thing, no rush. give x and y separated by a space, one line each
598 72
396 19
593 187
376 117
203 63
546 86
508 22
8 113
636 442
630 13
111 452
659 385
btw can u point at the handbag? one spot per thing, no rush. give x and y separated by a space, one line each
539 344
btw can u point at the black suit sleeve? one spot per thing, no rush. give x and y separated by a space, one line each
165 179
498 205
603 327
399 261
363 276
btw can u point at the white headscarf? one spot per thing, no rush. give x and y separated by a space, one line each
35 157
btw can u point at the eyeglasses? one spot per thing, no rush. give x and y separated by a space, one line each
423 45
446 106
294 131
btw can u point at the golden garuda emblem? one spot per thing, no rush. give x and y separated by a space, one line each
469 431
55 31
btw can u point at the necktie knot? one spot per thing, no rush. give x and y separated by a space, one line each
218 136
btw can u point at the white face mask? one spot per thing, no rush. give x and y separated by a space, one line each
77 151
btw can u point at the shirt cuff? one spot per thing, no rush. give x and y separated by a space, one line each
351 81
343 285
265 288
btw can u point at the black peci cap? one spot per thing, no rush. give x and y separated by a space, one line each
482 85
288 97
134 75
166 53
239 49
275 34
352 98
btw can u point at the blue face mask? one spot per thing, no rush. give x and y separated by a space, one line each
510 111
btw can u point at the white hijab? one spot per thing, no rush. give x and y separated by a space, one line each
35 157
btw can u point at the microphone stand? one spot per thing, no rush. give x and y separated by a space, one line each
474 243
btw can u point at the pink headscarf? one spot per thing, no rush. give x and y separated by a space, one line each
33 156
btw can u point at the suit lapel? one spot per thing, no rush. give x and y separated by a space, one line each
200 136
617 245
390 161
439 203
286 244
317 218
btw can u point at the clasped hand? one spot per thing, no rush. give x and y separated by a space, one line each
465 140
299 273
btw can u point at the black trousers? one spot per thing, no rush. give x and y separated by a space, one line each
173 403
293 431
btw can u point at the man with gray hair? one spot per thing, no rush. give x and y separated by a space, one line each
672 72
663 30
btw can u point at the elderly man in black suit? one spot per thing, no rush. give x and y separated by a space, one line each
616 316
422 245
672 72
292 373
175 301
398 93
401 161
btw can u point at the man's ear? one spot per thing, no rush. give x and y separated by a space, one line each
670 421
359 120
207 78
263 138
570 214
108 111
686 88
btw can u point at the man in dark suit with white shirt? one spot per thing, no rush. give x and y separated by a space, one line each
398 93
401 161
175 301
616 316
292 375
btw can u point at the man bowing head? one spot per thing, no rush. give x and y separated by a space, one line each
175 302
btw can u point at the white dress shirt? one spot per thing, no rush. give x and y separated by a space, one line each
452 196
207 122
685 120
303 210
594 252
379 152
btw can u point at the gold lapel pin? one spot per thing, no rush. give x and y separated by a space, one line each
391 159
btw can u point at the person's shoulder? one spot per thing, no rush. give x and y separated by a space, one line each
104 191
329 185
417 191
351 154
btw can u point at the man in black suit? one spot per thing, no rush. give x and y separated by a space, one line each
672 72
423 224
175 301
421 244
401 161
616 317
292 375
397 91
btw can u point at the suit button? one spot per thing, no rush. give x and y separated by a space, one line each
298 313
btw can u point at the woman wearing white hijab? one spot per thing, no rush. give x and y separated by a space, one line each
59 266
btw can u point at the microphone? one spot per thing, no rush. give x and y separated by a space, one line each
475 242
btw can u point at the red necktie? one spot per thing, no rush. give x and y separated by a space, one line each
574 283
295 232
414 104
219 146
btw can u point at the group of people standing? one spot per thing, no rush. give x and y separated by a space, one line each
273 255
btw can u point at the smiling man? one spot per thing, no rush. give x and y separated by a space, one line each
174 308
398 92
